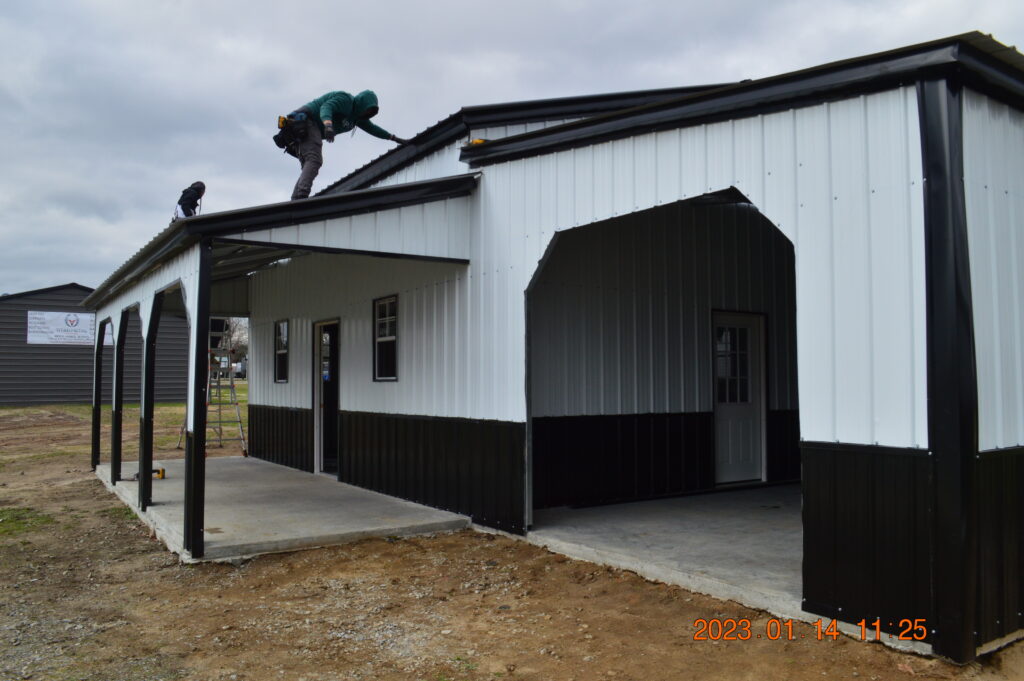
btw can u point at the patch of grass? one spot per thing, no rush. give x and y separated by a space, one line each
118 513
15 521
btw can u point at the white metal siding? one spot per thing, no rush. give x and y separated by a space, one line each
183 268
496 132
444 355
994 188
445 161
621 315
842 180
441 163
439 229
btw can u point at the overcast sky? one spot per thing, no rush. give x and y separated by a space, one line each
109 108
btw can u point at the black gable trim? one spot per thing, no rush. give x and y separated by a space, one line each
992 64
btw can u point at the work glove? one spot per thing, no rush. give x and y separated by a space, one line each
396 138
329 132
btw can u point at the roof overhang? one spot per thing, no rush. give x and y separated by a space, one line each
237 259
975 58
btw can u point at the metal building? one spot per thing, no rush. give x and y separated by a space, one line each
51 369
813 276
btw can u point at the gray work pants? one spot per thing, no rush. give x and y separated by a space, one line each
311 157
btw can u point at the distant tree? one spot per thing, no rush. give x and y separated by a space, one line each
236 336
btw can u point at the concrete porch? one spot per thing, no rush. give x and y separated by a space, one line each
255 507
744 545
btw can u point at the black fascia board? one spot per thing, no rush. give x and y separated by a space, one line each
463 121
182 234
749 98
332 206
586 105
976 58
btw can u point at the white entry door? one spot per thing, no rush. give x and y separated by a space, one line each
739 397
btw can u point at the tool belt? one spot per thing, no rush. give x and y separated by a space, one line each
292 129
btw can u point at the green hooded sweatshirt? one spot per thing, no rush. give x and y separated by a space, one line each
346 112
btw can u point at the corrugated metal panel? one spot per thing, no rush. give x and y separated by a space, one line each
868 534
47 374
441 163
994 191
437 345
445 161
470 467
439 229
621 315
842 180
499 131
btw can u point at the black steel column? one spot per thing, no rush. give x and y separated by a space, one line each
117 400
952 373
146 406
195 438
97 393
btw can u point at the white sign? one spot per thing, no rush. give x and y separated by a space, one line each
63 328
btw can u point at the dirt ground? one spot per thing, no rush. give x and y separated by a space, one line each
86 593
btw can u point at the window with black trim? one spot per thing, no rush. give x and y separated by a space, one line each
281 351
385 339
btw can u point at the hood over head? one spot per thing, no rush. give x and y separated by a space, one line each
199 187
364 105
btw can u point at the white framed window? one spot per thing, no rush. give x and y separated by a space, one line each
281 351
385 339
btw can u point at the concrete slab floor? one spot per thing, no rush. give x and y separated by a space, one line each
743 545
255 507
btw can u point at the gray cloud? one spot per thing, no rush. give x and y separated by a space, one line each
109 108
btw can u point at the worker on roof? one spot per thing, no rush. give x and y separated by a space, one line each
191 198
322 119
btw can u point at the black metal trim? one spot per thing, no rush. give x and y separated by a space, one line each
181 234
146 406
97 393
851 77
195 440
331 206
952 371
288 250
117 399
857 448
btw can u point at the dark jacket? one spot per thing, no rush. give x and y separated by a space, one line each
346 112
190 198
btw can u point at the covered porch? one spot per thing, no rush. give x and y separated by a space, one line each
254 507
199 268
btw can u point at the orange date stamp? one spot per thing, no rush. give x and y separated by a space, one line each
729 629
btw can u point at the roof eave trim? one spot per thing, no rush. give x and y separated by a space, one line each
745 98
183 233
333 205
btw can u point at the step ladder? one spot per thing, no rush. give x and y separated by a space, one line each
223 412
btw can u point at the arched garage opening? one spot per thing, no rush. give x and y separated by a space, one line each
662 366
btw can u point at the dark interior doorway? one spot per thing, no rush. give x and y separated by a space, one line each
326 354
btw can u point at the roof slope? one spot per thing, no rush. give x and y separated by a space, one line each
11 296
468 118
976 58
